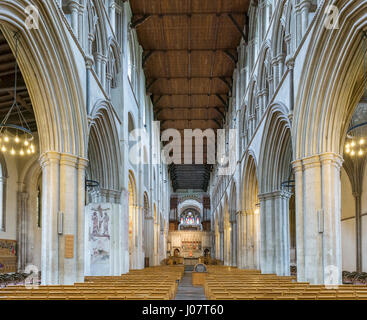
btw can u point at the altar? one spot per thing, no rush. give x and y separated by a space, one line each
189 244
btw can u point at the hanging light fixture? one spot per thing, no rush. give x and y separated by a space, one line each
356 142
16 138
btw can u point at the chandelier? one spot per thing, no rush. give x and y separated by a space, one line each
16 138
355 144
356 141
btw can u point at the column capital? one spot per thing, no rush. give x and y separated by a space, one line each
333 158
69 159
83 163
297 165
290 62
89 61
311 162
23 195
304 4
73 5
274 194
49 156
317 161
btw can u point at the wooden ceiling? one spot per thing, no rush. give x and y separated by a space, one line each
190 52
7 72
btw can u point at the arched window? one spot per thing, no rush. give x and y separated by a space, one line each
131 70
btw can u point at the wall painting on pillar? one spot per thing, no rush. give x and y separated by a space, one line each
99 236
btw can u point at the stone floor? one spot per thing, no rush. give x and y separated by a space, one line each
186 291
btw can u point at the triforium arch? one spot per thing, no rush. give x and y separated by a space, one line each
250 216
60 113
329 91
29 215
104 154
275 172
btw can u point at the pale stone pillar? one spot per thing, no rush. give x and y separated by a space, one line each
139 233
262 101
282 241
74 8
98 63
243 240
267 258
81 31
50 163
63 191
304 7
22 225
108 83
318 211
298 19
103 71
275 254
90 46
80 247
112 14
252 243
290 66
221 242
3 193
233 251
149 239
69 207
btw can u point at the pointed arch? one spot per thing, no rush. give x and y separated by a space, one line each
60 129
104 153
250 214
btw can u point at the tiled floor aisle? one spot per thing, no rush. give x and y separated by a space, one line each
186 291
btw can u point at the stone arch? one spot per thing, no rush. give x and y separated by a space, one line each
104 153
274 169
281 37
332 109
250 226
113 66
61 117
265 76
60 129
334 63
276 154
29 230
253 32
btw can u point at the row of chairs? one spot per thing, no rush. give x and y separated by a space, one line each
13 278
155 283
228 283
354 277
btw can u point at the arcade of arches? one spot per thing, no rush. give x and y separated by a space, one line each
96 72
